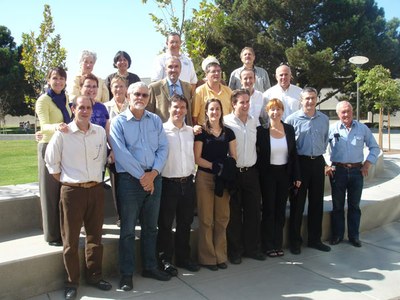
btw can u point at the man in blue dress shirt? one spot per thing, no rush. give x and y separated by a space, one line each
346 139
140 147
311 128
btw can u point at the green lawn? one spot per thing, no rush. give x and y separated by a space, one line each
18 161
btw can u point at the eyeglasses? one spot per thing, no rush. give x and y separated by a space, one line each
215 72
90 86
144 95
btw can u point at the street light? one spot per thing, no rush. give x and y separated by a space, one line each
358 61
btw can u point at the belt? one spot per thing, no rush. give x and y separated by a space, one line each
348 165
244 169
85 185
309 157
179 179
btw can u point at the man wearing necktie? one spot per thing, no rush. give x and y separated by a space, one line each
162 90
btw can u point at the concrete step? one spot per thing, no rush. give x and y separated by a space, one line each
29 267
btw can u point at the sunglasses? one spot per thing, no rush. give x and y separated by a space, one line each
144 95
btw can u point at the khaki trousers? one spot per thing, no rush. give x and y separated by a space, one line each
213 213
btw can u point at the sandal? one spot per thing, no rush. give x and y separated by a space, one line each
280 252
271 253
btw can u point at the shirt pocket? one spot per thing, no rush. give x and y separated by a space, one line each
96 152
358 141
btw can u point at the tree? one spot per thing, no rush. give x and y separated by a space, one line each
40 53
315 37
381 90
12 83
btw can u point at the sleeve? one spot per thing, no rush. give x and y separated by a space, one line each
43 112
75 91
266 82
234 82
151 106
197 99
230 134
105 96
372 145
53 154
158 68
162 151
193 76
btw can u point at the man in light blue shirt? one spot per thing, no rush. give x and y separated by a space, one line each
311 129
140 147
346 140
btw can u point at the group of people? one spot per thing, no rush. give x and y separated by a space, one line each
237 154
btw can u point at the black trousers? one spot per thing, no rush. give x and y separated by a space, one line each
312 185
177 201
275 190
243 231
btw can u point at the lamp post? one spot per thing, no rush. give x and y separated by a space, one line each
358 61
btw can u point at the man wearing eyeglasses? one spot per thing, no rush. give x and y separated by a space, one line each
288 93
212 88
161 91
140 147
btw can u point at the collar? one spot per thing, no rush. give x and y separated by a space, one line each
130 116
169 125
74 128
177 83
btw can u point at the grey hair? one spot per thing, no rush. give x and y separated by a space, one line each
341 103
308 89
87 53
136 85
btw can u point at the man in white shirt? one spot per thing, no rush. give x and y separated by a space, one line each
288 93
77 159
243 232
188 73
177 197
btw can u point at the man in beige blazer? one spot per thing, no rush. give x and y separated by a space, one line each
162 90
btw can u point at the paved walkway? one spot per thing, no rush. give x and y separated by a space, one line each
370 272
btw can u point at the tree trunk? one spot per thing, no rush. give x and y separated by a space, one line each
389 130
380 141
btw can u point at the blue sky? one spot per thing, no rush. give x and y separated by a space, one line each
105 26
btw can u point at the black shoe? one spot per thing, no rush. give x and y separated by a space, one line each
156 274
335 241
189 265
257 256
295 250
102 285
222 266
355 242
211 267
169 268
70 293
126 283
56 243
235 260
319 246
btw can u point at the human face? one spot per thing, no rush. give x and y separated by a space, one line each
118 89
174 43
173 70
241 108
283 76
83 109
345 114
247 80
87 65
248 58
275 113
214 112
309 101
214 74
89 88
177 112
56 82
139 98
122 64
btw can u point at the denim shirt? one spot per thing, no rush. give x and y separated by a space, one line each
311 132
138 145
348 146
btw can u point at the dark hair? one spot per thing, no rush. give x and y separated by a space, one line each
90 77
75 101
123 54
207 125
212 64
176 98
245 70
59 70
173 34
236 93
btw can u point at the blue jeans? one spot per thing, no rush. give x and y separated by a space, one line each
352 182
136 203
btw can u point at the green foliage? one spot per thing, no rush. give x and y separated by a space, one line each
40 53
19 162
12 83
379 88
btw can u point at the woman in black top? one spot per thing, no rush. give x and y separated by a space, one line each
211 149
